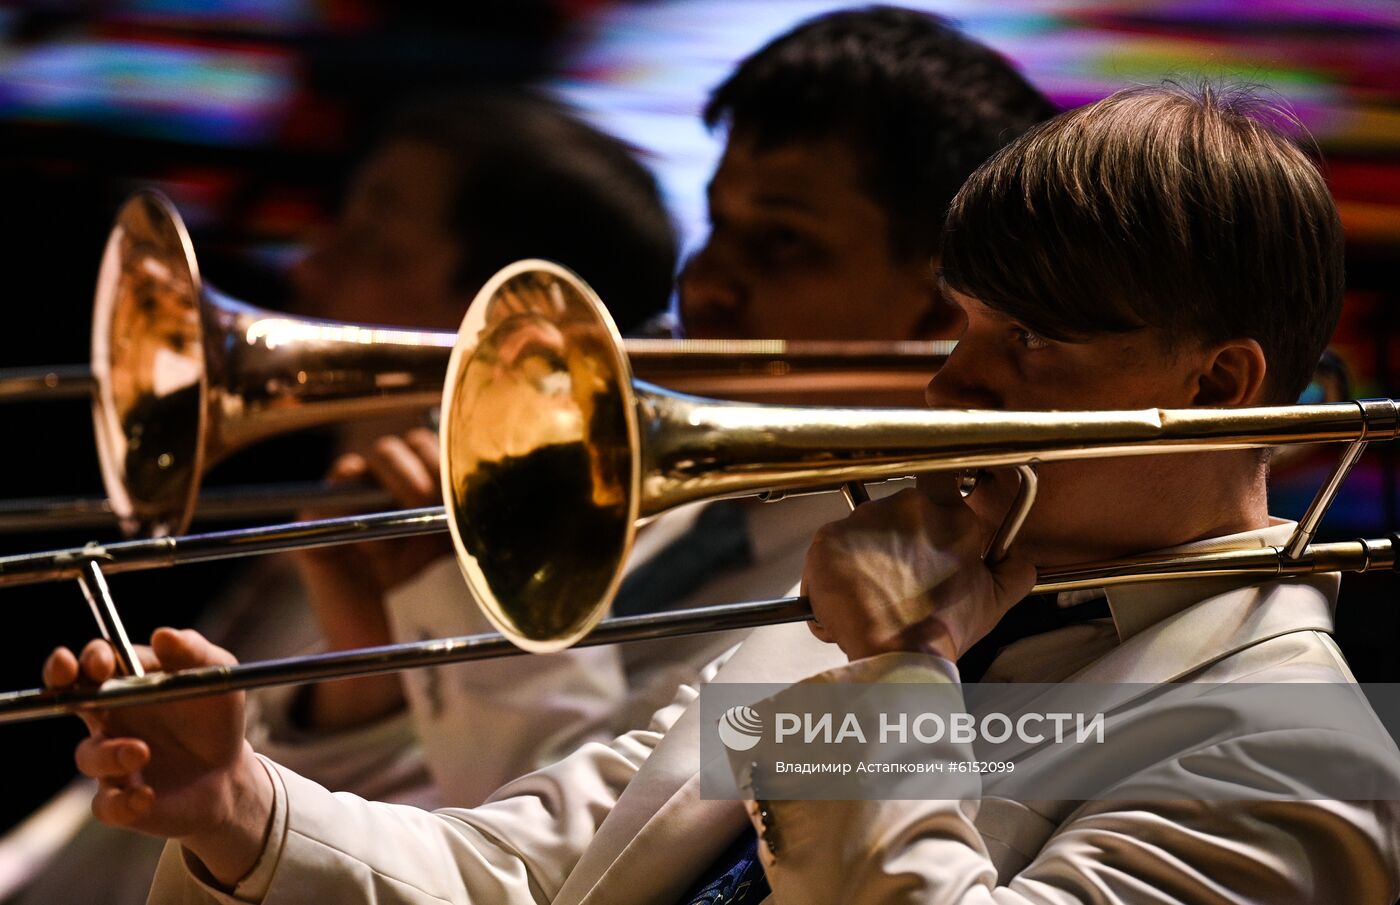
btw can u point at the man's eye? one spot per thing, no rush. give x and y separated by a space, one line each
783 236
782 245
1028 339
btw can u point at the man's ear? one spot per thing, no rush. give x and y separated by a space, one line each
1232 374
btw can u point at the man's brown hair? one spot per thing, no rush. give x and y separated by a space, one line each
1163 207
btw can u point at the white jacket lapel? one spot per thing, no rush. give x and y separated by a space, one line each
661 834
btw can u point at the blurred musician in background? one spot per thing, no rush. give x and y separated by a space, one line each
458 187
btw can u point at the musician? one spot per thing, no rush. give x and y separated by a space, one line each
845 142
457 187
1173 251
811 238
1176 252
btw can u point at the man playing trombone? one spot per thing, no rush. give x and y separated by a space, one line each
1161 248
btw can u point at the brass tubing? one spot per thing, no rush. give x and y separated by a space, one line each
666 360
743 369
1269 562
158 687
184 375
45 384
540 403
215 504
698 448
160 552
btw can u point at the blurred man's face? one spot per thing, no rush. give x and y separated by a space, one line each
797 250
389 258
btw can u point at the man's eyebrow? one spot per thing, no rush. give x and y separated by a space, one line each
784 202
777 199
773 200
951 296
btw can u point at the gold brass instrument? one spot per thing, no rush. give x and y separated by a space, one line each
1258 565
248 502
552 453
45 384
183 375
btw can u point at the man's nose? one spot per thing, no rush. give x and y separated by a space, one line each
710 292
962 382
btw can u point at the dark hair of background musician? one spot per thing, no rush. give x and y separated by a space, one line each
921 104
1168 207
534 181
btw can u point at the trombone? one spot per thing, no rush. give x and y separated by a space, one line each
552 454
182 376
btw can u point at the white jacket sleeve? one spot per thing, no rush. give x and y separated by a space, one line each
519 847
483 724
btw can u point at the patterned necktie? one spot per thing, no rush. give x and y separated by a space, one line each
717 542
736 877
1037 614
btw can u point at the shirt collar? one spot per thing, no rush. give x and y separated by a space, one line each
1137 606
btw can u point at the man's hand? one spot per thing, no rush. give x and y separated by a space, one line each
407 467
347 583
181 770
905 573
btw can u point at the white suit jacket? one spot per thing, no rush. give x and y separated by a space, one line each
624 822
468 729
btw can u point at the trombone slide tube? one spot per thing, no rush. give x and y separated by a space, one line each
696 449
46 384
215 504
156 553
789 448
154 688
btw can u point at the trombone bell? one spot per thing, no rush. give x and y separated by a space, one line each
148 366
540 478
184 375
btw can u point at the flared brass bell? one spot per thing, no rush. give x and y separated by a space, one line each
185 376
